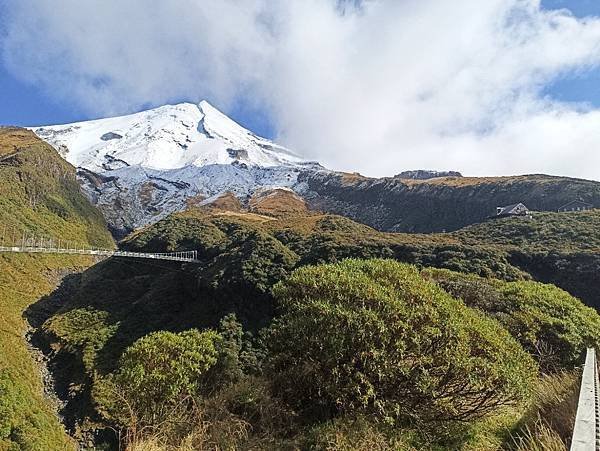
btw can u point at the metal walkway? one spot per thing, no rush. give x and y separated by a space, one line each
187 256
586 432
27 243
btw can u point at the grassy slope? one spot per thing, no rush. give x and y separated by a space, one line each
38 193
242 256
561 232
26 419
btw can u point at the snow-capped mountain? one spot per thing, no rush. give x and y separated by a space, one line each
164 138
140 167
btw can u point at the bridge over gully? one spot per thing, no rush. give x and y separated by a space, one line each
586 434
13 240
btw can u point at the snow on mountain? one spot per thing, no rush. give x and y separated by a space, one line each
164 138
141 167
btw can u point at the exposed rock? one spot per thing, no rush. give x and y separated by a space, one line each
110 136
238 154
421 174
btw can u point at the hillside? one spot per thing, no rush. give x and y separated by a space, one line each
558 248
245 249
563 232
242 256
38 194
434 205
243 253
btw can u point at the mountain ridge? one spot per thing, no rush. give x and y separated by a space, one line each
140 168
164 138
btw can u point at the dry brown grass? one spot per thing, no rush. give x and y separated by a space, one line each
241 416
278 202
310 222
350 178
472 181
244 215
226 201
199 429
13 139
549 423
540 437
194 201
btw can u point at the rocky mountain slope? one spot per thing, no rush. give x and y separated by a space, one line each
439 204
139 168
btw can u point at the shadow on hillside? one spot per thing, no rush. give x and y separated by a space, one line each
65 378
116 302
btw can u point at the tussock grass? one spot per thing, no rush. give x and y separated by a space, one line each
540 437
548 423
27 420
38 193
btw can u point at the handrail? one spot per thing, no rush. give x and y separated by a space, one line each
586 431
184 256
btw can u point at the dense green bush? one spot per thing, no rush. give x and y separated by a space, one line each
160 370
239 353
551 324
375 337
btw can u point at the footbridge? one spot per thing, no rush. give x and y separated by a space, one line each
31 244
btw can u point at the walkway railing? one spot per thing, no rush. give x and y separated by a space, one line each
31 244
586 433
187 256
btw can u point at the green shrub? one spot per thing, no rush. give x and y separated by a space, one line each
160 370
375 337
551 324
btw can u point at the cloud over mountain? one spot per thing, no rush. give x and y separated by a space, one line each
378 86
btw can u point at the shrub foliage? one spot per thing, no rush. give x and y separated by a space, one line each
160 370
375 337
551 324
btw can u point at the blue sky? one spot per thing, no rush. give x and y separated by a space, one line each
585 86
395 85
24 104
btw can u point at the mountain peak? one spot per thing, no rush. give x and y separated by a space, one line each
164 138
205 106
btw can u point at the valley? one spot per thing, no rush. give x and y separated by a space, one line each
268 258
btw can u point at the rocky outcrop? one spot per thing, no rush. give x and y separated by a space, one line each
421 174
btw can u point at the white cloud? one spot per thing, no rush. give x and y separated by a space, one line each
393 85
